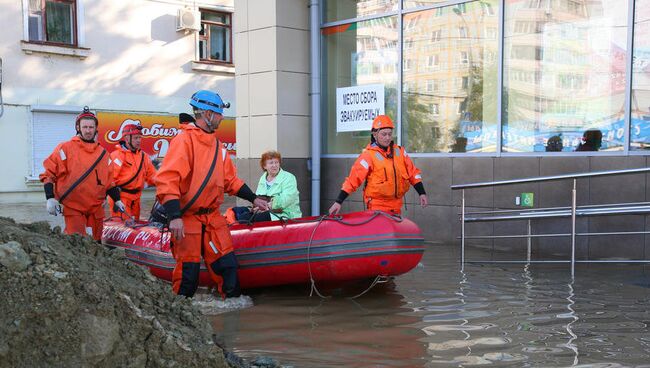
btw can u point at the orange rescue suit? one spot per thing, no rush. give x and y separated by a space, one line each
388 175
184 169
83 207
125 165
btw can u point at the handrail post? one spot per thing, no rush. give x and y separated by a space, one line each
462 231
573 228
529 243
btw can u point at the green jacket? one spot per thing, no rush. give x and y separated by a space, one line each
284 191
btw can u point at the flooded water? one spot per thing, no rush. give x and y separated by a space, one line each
437 316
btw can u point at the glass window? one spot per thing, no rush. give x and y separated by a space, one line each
640 129
432 61
350 9
431 85
465 118
488 10
348 61
52 21
462 32
215 40
464 57
564 75
436 35
435 109
419 3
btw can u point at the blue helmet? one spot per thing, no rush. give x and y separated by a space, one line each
207 100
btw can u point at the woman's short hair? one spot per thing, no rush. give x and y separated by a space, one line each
269 155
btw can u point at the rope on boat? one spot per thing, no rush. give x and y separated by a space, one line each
339 218
311 276
379 279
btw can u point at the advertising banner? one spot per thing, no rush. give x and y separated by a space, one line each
357 107
157 132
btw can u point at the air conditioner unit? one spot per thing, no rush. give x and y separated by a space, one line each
188 20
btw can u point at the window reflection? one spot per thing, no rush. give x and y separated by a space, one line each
418 3
357 54
448 63
349 9
564 75
640 129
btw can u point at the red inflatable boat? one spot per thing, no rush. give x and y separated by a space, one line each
330 250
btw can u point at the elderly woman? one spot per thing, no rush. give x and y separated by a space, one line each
280 186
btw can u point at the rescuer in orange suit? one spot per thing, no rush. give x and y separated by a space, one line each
78 176
132 168
387 171
190 184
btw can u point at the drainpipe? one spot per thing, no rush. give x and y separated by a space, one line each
314 46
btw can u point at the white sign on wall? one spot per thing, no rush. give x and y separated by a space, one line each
357 107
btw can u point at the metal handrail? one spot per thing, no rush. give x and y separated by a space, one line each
553 208
550 178
580 211
573 211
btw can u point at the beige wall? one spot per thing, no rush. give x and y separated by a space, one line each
272 77
133 59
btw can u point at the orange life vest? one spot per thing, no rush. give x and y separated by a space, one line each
125 166
387 174
185 168
67 163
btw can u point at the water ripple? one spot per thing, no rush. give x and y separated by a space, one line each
434 316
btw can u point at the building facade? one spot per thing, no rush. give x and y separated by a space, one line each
490 90
125 60
480 90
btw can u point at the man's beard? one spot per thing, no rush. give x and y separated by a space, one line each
91 139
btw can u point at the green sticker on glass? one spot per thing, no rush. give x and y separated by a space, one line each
527 199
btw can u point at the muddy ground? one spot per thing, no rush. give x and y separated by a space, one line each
69 302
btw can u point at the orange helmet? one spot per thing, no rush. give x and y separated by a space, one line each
382 122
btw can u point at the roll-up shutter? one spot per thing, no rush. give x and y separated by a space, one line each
48 130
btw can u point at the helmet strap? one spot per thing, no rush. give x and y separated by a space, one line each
207 122
130 145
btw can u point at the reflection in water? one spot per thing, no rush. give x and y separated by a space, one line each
574 318
462 283
436 316
302 331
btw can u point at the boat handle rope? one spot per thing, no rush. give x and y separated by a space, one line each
311 276
379 279
339 218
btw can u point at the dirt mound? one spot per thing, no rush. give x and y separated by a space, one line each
69 302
